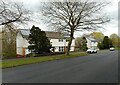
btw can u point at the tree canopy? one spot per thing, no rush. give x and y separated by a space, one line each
75 16
78 42
11 12
98 36
84 44
81 43
115 39
8 42
107 43
38 41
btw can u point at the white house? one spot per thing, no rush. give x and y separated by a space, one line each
91 42
57 39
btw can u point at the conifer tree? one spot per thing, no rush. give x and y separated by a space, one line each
38 41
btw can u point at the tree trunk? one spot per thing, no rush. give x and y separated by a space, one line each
69 43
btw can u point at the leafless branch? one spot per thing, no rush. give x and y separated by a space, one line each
73 16
12 12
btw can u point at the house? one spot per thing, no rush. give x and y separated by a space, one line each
22 42
91 42
58 40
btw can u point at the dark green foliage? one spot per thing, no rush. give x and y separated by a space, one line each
106 44
110 43
38 41
100 46
84 44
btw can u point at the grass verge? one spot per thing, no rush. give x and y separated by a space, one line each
25 61
117 48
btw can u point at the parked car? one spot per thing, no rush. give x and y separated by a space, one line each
112 49
91 50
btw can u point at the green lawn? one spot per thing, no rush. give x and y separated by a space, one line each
117 48
25 61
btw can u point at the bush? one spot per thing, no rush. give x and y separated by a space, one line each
100 46
8 55
30 55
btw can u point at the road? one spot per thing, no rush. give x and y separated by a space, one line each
94 68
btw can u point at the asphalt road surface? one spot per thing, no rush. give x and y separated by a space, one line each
94 68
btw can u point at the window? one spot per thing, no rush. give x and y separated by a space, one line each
61 49
60 40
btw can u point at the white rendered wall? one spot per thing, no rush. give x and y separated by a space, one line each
21 43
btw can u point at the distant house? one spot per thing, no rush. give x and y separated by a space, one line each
91 42
58 40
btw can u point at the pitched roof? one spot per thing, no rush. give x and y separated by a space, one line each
55 35
25 32
89 37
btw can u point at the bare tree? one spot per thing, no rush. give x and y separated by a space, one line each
75 16
11 12
8 41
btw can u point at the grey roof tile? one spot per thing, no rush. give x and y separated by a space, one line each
55 35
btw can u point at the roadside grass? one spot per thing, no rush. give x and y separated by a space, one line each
23 61
117 48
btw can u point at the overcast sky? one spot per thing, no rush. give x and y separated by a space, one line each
111 11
